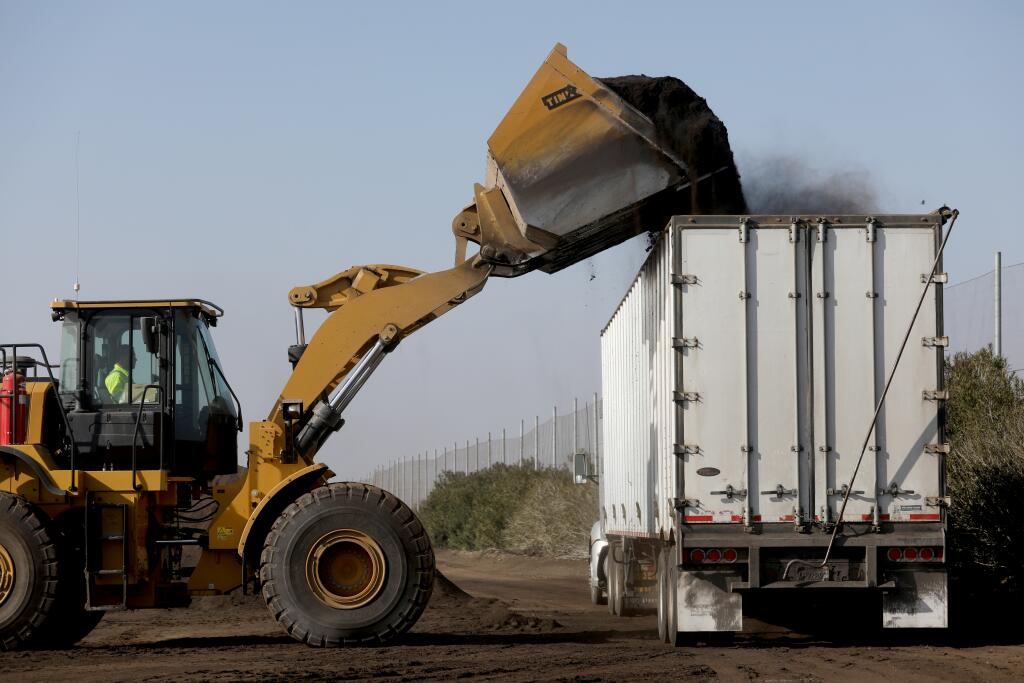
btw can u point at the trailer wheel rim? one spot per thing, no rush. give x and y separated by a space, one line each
346 569
6 574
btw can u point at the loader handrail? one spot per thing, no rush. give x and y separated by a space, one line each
69 436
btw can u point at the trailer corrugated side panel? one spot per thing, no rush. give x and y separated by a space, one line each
637 368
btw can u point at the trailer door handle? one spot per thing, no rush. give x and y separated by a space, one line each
842 491
895 491
730 492
779 491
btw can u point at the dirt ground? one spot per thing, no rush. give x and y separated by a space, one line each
524 619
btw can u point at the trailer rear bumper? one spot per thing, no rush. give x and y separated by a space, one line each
912 583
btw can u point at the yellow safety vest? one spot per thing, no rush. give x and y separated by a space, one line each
117 383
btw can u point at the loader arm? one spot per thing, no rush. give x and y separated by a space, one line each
365 302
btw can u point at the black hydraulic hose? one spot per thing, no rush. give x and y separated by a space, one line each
878 408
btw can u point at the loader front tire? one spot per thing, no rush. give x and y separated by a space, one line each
28 574
347 564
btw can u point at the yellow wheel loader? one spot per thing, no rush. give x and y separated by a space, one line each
119 461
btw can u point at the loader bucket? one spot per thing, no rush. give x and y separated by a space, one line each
580 169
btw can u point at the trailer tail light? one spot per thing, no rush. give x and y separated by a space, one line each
914 554
713 555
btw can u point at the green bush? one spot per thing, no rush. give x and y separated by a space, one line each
518 509
985 476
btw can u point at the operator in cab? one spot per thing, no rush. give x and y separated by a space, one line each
118 379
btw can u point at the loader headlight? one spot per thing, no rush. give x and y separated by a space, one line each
292 410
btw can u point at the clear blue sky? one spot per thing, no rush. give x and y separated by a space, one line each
233 150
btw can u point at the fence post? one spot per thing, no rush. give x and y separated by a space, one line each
536 442
489 462
554 434
503 460
575 424
522 435
997 341
467 456
477 454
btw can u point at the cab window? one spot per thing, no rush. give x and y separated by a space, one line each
119 365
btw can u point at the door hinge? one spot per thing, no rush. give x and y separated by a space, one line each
939 278
938 501
684 342
744 230
686 449
935 395
684 396
935 341
869 230
684 279
942 448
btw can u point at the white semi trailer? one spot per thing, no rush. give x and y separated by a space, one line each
740 376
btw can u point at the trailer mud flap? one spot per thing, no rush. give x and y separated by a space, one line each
704 602
919 601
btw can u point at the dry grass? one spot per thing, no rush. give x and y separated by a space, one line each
517 509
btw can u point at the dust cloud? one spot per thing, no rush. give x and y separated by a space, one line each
786 185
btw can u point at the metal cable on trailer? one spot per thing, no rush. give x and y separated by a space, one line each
954 214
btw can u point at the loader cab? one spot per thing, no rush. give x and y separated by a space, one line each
143 387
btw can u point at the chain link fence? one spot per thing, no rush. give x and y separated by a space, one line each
970 319
528 443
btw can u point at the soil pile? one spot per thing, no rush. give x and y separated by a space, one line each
450 604
689 130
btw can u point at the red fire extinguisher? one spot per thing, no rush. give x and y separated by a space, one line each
13 394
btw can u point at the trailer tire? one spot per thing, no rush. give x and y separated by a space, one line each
616 580
28 573
668 624
347 564
599 596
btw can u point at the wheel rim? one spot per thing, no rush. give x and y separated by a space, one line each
345 569
6 574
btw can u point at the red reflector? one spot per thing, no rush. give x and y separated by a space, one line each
938 553
927 555
894 555
910 554
729 555
714 555
696 556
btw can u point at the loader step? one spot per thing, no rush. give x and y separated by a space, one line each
106 538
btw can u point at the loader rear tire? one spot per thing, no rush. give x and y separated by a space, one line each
347 564
28 574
